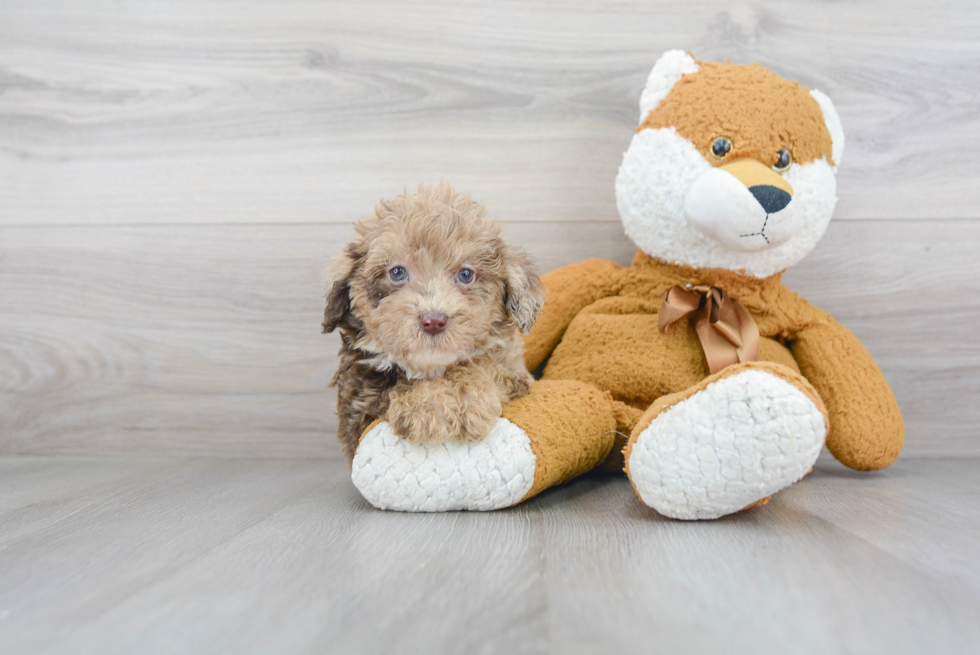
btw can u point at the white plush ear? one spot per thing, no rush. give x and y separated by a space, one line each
671 66
834 126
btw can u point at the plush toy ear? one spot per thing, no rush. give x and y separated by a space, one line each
523 293
336 286
834 126
671 66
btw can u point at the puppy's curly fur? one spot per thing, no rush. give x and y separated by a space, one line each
431 254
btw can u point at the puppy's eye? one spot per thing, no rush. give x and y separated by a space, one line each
783 160
397 274
465 275
720 147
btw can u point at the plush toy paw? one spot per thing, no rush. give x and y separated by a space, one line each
738 440
495 472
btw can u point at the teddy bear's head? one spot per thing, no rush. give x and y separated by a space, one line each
731 167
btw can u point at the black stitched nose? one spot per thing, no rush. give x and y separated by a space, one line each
771 198
433 323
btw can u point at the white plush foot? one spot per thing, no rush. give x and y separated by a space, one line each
739 440
496 472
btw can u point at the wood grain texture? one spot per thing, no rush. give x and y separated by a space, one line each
303 111
173 177
205 339
194 339
241 555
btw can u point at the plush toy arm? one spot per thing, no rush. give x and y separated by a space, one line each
866 428
568 290
560 429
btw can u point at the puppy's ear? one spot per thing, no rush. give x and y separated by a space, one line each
336 286
524 295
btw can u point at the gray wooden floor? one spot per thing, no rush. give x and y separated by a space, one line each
104 555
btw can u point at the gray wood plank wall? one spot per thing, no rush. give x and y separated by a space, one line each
173 177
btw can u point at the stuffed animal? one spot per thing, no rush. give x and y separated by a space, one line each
695 369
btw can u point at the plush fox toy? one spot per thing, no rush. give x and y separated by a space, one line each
695 369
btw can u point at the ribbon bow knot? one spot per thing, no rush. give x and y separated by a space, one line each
727 332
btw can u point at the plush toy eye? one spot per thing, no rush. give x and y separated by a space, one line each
721 147
465 275
397 274
783 160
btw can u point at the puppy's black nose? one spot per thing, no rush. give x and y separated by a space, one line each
771 198
433 323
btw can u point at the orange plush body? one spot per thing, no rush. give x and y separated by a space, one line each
600 326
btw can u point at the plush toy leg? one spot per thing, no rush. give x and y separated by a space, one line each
727 443
559 430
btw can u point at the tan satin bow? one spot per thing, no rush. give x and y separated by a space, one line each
727 332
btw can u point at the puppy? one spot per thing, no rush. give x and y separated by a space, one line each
429 302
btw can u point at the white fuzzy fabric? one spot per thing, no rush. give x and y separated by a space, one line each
723 208
671 66
658 172
739 440
834 126
494 473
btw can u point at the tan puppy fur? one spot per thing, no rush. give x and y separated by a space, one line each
429 302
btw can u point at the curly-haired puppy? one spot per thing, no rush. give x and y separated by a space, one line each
429 301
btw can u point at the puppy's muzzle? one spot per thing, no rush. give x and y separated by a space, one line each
433 323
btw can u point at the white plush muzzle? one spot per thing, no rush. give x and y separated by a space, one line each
723 208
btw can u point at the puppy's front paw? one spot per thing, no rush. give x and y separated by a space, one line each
431 417
481 409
